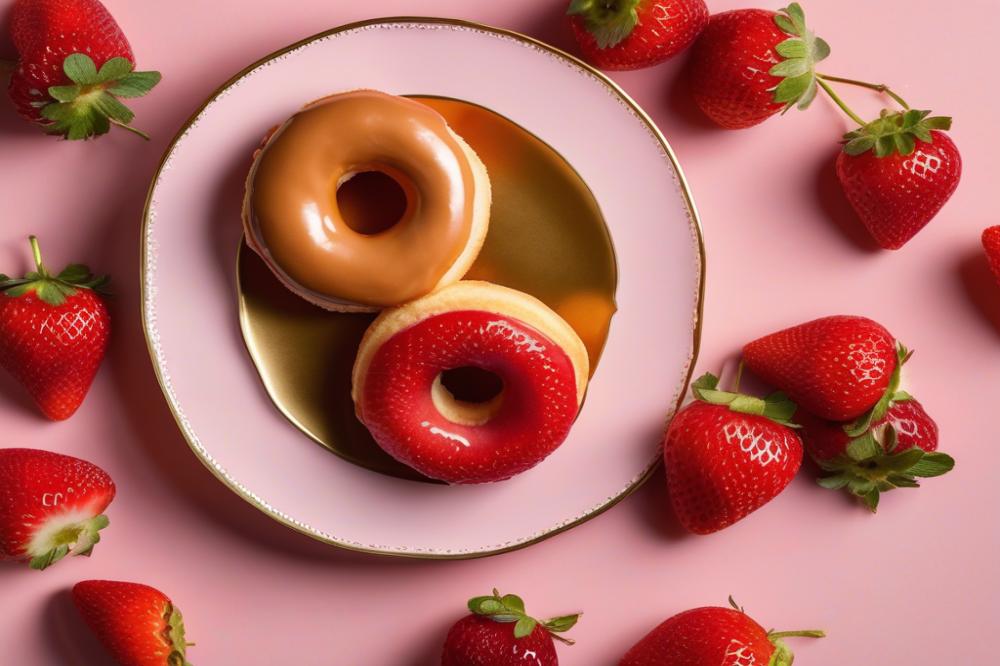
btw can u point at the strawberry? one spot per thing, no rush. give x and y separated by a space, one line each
630 34
897 172
75 63
53 333
991 243
51 506
748 64
499 633
899 446
837 368
137 624
728 454
713 636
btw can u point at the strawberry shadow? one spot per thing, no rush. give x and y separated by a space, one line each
74 644
980 286
550 25
652 505
428 651
837 209
15 394
680 99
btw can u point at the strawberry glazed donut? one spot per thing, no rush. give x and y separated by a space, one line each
320 244
403 393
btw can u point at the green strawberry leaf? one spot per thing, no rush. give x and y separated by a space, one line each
776 406
80 69
932 464
609 22
562 623
800 53
894 133
513 602
524 626
833 482
864 447
90 106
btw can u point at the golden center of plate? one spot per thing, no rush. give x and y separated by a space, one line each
547 237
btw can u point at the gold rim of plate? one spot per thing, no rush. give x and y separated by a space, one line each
694 219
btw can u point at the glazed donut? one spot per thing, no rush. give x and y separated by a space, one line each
292 219
399 394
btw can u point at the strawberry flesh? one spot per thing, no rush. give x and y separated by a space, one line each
51 505
991 244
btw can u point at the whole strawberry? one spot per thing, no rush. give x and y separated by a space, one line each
499 633
51 506
75 65
837 368
898 447
713 636
728 454
991 244
137 624
749 64
897 172
630 34
53 333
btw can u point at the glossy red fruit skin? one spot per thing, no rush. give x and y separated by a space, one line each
539 401
45 32
36 486
835 367
703 637
128 618
479 641
54 351
722 465
728 70
665 28
896 196
826 440
991 244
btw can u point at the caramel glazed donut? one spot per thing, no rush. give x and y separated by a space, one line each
398 392
291 218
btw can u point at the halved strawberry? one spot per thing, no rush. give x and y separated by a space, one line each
51 506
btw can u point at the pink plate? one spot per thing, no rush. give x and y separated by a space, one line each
192 233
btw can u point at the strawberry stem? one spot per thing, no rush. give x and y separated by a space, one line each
877 87
36 252
805 633
129 128
839 102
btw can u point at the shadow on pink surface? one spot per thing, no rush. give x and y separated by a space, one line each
980 286
74 644
680 100
550 26
837 210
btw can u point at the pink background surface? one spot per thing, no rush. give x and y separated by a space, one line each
914 585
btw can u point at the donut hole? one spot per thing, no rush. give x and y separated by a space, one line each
371 202
468 395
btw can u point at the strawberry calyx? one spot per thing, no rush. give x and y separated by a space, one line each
892 394
782 655
609 21
510 608
872 464
800 53
90 104
776 406
894 132
173 635
49 288
56 540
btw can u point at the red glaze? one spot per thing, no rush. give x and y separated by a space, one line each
481 641
897 195
539 401
826 440
703 637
